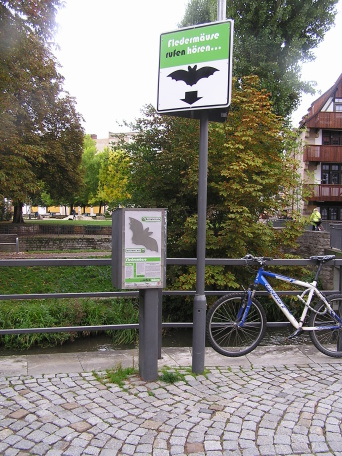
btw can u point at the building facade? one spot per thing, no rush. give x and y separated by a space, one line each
112 140
322 159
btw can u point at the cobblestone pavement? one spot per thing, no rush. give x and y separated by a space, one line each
264 410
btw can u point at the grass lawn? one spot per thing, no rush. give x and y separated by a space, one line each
52 221
42 313
59 279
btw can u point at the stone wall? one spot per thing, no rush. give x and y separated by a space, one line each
313 243
46 243
309 244
28 229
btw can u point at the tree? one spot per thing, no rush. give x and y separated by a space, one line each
40 132
249 176
113 178
63 139
271 40
162 153
247 171
90 168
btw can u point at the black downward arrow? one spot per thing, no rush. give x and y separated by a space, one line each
191 97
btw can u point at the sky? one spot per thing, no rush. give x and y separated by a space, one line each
109 57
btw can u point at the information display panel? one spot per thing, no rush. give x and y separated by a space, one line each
138 248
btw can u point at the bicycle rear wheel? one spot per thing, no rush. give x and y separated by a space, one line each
223 332
327 341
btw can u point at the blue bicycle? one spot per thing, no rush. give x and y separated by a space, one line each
236 323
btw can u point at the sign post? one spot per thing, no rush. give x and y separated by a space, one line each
200 300
195 75
139 262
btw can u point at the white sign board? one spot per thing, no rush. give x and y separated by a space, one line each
195 66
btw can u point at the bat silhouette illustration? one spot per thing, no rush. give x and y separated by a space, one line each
193 74
142 236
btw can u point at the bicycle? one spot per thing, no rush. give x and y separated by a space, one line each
236 322
318 227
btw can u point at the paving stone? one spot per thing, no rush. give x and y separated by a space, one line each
91 450
247 412
40 449
23 444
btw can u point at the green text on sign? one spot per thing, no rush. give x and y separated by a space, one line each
200 44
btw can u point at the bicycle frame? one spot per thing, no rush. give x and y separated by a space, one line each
310 289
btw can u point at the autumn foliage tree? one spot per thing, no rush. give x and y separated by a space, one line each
248 178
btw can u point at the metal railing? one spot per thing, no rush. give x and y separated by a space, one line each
337 263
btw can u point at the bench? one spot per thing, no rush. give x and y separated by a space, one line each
10 239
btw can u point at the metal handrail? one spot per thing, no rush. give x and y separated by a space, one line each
132 293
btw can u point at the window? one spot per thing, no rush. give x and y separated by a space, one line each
338 104
332 137
324 213
331 213
331 173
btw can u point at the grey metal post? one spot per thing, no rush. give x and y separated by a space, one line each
200 302
148 334
221 10
160 321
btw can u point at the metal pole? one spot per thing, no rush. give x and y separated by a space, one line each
221 10
148 334
200 302
160 321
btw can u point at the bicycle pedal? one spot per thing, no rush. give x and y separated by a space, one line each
295 334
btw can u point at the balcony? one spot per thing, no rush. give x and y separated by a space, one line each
325 192
331 154
326 120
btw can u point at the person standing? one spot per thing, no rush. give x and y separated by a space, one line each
315 219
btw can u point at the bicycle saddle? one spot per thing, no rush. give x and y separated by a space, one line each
323 258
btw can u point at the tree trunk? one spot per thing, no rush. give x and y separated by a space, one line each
18 213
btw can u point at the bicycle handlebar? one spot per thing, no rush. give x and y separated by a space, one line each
252 259
262 260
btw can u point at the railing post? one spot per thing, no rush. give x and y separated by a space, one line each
160 321
148 334
337 278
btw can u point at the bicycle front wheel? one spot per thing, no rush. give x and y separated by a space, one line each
327 341
223 330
